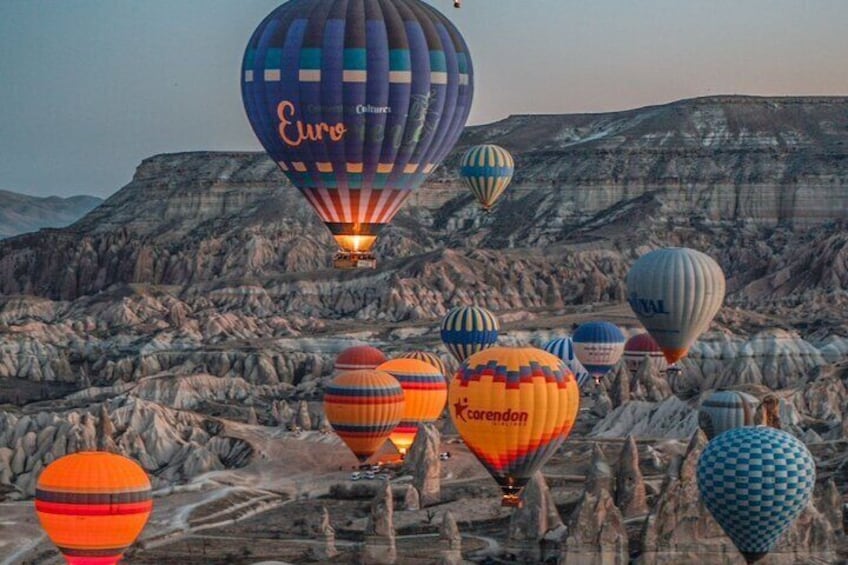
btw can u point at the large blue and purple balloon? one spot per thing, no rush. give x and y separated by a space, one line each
357 101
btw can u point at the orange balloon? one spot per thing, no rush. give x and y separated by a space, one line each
364 407
513 408
93 505
425 393
430 358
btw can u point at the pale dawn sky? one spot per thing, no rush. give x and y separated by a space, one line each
89 88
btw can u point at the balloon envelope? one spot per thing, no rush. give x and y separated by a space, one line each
487 170
755 481
469 329
364 407
598 346
359 357
675 292
640 346
430 358
726 409
357 101
424 392
563 347
93 505
513 408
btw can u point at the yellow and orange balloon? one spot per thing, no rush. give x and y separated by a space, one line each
425 393
513 408
93 505
364 407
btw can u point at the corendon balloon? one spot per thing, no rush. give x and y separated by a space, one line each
487 170
364 407
513 408
726 409
469 329
755 481
598 346
430 358
675 293
359 357
563 347
424 392
93 505
638 347
357 101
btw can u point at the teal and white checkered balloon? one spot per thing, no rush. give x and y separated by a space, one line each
755 481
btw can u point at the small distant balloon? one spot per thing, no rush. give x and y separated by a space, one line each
487 170
467 330
563 347
642 346
598 346
359 357
726 409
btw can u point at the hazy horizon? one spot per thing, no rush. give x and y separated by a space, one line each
93 87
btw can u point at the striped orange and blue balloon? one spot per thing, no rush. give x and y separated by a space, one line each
469 329
93 505
424 392
430 358
487 170
364 407
513 408
357 101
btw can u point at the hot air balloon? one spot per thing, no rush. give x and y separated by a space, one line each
357 102
675 293
599 346
513 408
755 481
93 505
726 409
563 347
487 170
430 358
469 329
640 346
364 407
424 392
359 357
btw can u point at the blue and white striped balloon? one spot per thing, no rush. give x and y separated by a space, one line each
726 409
563 347
599 346
467 330
487 170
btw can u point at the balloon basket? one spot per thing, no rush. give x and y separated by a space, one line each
347 260
511 501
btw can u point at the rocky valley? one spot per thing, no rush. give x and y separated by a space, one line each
191 321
